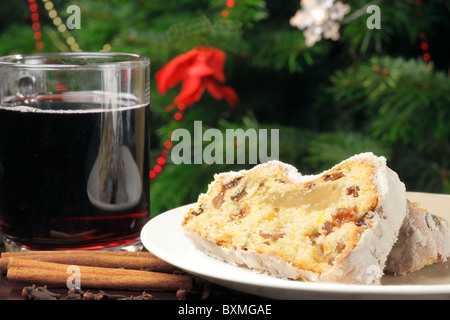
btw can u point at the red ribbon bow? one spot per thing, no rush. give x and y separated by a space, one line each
197 69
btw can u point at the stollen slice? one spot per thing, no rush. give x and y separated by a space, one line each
337 226
424 239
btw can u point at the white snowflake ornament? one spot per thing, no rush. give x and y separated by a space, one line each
318 18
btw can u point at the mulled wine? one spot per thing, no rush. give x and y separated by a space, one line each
73 171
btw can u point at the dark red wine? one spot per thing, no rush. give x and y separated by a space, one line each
73 174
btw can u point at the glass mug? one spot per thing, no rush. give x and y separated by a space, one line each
74 145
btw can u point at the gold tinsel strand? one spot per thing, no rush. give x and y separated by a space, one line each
61 27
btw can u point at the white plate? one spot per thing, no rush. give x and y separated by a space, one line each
164 237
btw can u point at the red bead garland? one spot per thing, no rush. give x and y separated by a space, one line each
179 115
230 4
35 24
424 46
161 160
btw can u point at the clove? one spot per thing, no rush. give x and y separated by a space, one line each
75 294
39 293
102 295
143 296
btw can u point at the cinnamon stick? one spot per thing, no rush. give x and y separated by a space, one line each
55 274
106 259
92 252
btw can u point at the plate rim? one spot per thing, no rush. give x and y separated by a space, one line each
275 283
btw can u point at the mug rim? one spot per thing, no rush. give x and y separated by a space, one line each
127 60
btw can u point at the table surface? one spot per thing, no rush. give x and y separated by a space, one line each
12 290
